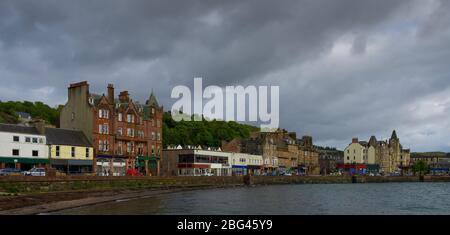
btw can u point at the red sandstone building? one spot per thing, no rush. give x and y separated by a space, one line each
125 134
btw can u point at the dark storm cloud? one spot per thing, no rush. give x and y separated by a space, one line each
349 67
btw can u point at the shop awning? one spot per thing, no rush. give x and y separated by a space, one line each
24 160
72 162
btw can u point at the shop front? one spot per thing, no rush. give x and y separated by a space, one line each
22 163
239 170
72 167
148 165
110 166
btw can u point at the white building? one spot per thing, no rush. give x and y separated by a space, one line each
22 147
243 163
189 160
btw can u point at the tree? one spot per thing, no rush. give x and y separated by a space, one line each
420 166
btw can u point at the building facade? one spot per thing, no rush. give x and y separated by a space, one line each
125 134
70 151
281 151
22 147
194 161
201 161
384 157
329 159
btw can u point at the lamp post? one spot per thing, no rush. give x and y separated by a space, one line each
15 163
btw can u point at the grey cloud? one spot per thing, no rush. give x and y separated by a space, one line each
398 55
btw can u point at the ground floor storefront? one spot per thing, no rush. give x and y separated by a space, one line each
254 170
148 165
23 163
110 166
119 165
194 169
72 167
359 169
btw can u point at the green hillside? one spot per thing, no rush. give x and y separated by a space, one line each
208 133
37 110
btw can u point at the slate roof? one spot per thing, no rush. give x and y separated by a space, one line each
57 136
18 129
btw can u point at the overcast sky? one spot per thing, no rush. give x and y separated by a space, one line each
345 68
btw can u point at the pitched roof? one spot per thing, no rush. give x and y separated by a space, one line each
19 129
57 136
152 100
394 135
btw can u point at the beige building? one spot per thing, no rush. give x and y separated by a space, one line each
388 156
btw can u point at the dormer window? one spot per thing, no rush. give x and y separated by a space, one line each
91 100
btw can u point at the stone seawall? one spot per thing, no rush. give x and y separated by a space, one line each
20 185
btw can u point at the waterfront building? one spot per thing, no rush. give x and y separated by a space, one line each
329 159
281 151
70 151
244 163
22 147
437 162
195 161
125 134
376 156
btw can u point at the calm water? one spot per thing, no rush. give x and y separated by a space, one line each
383 198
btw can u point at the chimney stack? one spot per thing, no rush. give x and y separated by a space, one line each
355 140
40 126
124 96
111 93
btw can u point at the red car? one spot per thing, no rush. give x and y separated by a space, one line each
132 172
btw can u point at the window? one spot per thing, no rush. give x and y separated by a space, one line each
73 152
106 145
35 153
87 152
153 136
57 151
153 111
103 128
130 132
100 145
103 113
16 138
119 131
141 134
27 139
158 123
41 140
120 117
153 149
130 118
73 116
15 152
130 147
159 136
119 148
35 140
91 100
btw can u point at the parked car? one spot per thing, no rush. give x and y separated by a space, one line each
208 174
35 172
10 171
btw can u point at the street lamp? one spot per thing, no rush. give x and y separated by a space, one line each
15 163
